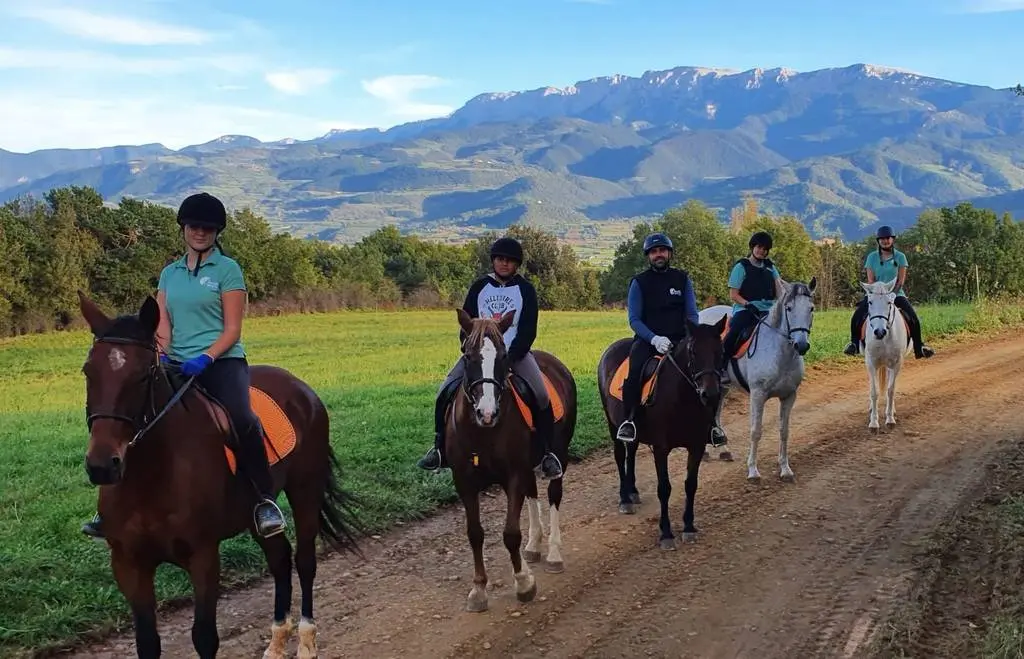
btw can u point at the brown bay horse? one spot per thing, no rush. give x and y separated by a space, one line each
678 413
167 493
488 441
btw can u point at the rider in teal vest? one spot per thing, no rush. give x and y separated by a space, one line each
754 283
202 301
885 264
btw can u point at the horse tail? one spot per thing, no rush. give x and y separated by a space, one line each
340 526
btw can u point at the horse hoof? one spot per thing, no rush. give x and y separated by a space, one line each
627 509
754 480
555 567
528 595
635 497
787 478
725 456
476 605
890 426
874 431
706 457
689 536
667 544
531 556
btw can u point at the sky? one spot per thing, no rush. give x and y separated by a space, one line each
179 72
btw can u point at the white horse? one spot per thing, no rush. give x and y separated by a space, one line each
886 342
773 365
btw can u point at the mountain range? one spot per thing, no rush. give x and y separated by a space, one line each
841 148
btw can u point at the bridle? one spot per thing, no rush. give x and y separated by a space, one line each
890 314
688 374
145 419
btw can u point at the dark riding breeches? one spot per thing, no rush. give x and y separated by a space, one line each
639 352
741 321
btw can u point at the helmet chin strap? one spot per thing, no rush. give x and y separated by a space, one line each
200 253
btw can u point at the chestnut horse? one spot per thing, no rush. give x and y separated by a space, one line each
167 492
488 441
679 414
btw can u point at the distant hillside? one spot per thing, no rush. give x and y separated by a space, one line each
840 148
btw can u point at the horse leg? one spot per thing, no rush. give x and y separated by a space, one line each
890 396
785 410
757 402
693 460
554 560
634 494
667 539
477 600
526 584
204 572
278 551
873 397
531 554
723 453
136 582
625 503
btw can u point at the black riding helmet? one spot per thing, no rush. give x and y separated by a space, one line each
884 231
204 210
509 248
762 238
657 240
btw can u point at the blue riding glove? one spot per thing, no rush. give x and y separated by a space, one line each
164 359
196 365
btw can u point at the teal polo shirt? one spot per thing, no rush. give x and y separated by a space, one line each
194 304
886 269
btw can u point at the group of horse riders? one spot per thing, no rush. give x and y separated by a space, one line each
202 301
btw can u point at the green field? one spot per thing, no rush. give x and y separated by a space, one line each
377 374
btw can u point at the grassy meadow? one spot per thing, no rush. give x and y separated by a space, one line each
377 373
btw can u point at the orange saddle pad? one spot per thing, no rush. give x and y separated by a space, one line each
615 388
744 344
557 405
279 439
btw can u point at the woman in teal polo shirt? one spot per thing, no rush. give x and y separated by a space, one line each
885 264
202 300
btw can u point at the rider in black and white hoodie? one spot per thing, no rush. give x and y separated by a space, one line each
492 296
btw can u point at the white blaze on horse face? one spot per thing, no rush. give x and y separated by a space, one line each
487 406
117 359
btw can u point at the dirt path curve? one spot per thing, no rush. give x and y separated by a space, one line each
780 570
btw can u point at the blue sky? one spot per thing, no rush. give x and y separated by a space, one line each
106 72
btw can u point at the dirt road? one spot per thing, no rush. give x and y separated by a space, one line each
781 570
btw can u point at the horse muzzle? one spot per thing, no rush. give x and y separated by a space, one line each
880 333
105 472
485 418
802 347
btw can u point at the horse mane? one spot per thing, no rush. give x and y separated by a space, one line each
484 328
877 287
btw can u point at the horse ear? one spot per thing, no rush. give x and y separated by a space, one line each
867 287
149 314
890 286
691 327
506 321
813 284
98 321
720 325
465 320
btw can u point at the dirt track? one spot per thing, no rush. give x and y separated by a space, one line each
780 570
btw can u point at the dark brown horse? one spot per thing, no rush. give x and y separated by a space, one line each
167 492
488 441
679 414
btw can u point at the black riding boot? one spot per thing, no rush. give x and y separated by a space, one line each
920 349
267 517
856 321
544 420
94 527
630 399
434 458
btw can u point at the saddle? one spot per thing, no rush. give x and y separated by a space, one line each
648 376
743 340
279 436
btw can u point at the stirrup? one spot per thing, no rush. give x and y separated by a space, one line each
267 528
558 465
718 437
622 429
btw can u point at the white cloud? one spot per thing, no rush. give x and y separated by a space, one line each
992 6
300 81
84 60
395 91
41 120
115 29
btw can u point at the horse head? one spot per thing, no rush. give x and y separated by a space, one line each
881 297
702 355
119 380
486 364
793 315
